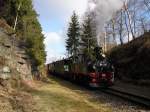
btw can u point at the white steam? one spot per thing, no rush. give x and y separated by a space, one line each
104 10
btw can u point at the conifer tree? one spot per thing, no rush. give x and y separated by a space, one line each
88 39
27 27
72 43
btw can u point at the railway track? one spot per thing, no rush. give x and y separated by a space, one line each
141 100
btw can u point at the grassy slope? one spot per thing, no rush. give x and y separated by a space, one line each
132 60
59 97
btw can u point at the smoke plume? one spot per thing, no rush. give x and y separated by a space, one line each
104 10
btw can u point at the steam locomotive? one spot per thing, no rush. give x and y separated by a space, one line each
93 73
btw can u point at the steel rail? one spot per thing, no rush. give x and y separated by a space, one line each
144 101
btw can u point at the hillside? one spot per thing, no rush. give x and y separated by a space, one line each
132 60
13 58
15 71
22 18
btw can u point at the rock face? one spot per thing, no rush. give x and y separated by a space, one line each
14 63
5 73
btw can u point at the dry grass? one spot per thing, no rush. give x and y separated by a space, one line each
59 97
16 101
55 96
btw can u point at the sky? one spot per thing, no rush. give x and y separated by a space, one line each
54 16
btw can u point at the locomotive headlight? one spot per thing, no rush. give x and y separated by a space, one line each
103 75
94 67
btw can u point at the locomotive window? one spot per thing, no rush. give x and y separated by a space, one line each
66 68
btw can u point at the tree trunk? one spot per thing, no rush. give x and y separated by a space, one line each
130 24
113 27
127 27
16 20
120 32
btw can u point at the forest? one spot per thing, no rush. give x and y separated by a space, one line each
124 37
130 21
21 16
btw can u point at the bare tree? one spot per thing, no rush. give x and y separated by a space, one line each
113 30
129 18
147 2
121 27
143 24
130 21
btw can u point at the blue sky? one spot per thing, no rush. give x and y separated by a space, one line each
54 16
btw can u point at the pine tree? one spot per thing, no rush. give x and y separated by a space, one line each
88 39
27 28
72 43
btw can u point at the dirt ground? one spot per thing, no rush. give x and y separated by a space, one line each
57 95
54 96
62 96
16 101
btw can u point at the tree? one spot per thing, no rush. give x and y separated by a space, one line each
146 3
132 20
88 39
129 18
72 43
121 27
20 15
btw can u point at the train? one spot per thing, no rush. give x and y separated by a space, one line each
92 73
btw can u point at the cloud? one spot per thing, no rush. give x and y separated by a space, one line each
50 9
52 38
55 46
54 56
54 16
